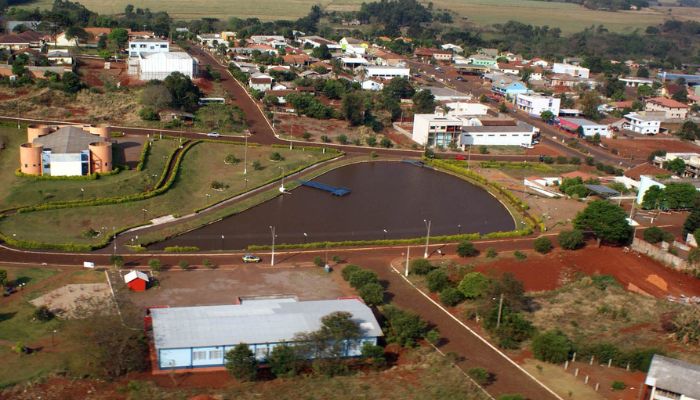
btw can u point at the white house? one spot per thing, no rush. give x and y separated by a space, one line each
60 57
466 108
438 129
510 135
671 379
584 127
535 104
160 65
373 71
452 47
260 81
646 123
636 82
569 69
673 109
210 39
318 41
370 84
353 46
353 62
151 45
276 41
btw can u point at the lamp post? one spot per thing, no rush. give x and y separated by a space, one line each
114 240
282 186
272 258
245 157
305 237
144 214
428 223
459 229
222 241
408 255
385 232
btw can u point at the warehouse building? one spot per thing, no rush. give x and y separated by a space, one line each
669 379
195 337
160 65
66 151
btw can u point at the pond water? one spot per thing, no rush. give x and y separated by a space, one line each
392 196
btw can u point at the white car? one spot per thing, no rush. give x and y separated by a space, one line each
213 134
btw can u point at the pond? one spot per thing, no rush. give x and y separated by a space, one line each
388 200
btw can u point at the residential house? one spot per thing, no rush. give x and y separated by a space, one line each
431 53
387 58
644 122
275 41
583 127
373 71
210 40
569 69
539 62
353 46
297 60
632 176
452 47
482 60
673 109
672 379
466 108
636 82
317 41
261 82
510 68
372 84
535 104
509 88
447 94
647 181
24 40
59 57
353 62
200 336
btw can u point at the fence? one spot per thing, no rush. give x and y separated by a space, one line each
660 255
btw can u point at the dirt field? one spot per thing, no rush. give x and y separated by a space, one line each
190 288
548 272
639 148
62 301
93 73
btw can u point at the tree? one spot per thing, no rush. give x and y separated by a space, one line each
689 131
692 222
373 354
655 234
349 270
353 108
642 72
156 95
283 361
652 198
451 296
552 346
681 95
70 82
118 38
362 277
589 104
185 94
76 32
679 196
677 166
372 294
474 285
547 116
399 88
543 245
465 248
644 91
423 102
3 277
437 280
329 344
241 362
149 114
607 221
421 266
322 52
571 240
403 327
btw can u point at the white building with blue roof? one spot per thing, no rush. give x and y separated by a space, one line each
195 337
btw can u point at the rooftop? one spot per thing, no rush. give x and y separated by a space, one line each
446 92
173 55
68 140
519 126
645 169
581 121
669 103
674 375
252 321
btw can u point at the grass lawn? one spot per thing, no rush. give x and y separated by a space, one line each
17 325
17 191
202 165
518 170
568 17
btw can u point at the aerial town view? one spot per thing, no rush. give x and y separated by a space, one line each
350 199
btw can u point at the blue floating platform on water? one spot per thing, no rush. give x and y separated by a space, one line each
414 162
335 191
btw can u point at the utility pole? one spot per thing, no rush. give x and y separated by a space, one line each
427 237
408 252
245 157
272 259
500 309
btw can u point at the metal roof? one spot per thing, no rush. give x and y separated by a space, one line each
674 375
69 139
602 191
519 126
252 321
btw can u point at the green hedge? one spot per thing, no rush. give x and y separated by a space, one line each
91 177
296 146
180 249
162 186
380 242
144 154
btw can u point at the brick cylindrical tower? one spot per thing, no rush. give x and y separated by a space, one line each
100 157
30 158
34 131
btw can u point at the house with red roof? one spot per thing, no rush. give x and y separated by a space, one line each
673 109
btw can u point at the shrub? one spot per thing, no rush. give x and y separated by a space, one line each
403 327
371 141
257 165
241 362
207 263
306 135
218 185
479 375
362 277
325 139
385 142
276 156
154 264
483 150
180 249
618 385
421 266
571 240
318 261
437 280
433 337
655 234
149 114
466 249
519 255
183 265
231 159
349 270
451 296
43 314
343 139
283 361
372 294
473 285
551 346
491 253
543 245
374 354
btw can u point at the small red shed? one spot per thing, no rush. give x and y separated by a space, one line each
136 281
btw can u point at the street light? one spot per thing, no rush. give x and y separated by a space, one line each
305 237
282 186
245 157
222 241
385 232
459 229
272 258
427 237
144 214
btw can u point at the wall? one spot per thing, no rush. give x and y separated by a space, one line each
660 255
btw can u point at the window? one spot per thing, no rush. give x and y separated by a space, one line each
163 46
199 355
215 354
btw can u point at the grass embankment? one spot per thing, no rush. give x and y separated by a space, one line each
17 324
192 190
18 191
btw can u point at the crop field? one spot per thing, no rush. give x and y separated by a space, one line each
568 17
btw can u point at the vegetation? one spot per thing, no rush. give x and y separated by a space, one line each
543 245
241 362
655 234
551 346
571 240
466 249
474 285
606 220
403 327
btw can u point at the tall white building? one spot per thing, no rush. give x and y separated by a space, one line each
509 135
386 72
644 122
535 104
569 69
149 45
160 65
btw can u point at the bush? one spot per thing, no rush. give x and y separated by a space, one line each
231 159
552 346
149 114
433 337
207 263
154 264
479 375
543 245
306 135
655 234
283 361
374 354
618 385
184 265
276 156
519 255
349 270
372 294
466 249
362 277
241 362
571 240
403 327
43 314
325 139
421 266
474 285
371 141
180 249
257 165
491 253
451 296
343 139
437 280
318 261
385 142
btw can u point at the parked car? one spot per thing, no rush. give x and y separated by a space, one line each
213 134
249 258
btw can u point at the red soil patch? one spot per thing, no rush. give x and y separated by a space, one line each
632 270
639 149
204 85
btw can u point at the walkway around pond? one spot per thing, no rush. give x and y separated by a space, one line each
335 191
